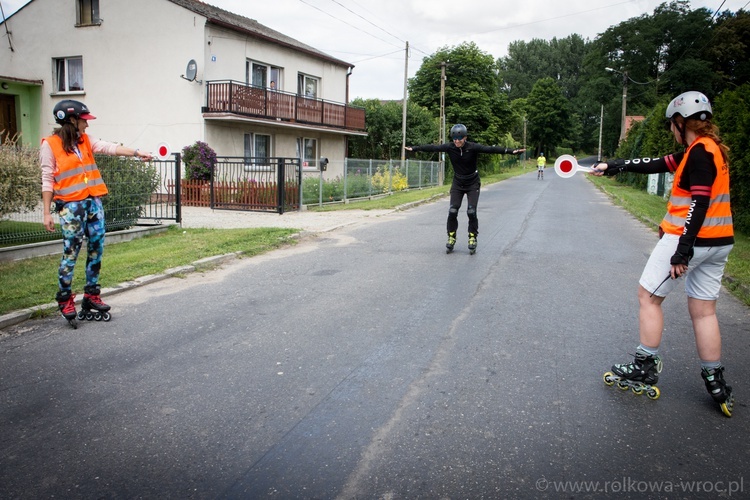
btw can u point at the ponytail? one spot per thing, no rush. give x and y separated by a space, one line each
706 128
69 135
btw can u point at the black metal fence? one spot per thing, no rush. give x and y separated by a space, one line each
256 184
140 193
367 178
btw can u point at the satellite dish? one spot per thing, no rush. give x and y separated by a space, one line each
191 71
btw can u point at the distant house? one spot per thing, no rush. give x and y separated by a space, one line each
630 120
175 71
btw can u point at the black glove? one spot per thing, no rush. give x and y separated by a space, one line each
682 255
614 167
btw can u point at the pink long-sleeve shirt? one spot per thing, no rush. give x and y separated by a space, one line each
49 164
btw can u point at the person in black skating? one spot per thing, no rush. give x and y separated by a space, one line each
463 155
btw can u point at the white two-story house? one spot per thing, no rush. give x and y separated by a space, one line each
173 72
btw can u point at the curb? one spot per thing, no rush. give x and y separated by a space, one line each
15 317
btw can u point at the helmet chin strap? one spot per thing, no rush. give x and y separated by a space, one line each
681 129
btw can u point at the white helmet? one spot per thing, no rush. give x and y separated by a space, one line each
690 105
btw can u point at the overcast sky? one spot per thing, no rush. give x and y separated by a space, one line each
372 35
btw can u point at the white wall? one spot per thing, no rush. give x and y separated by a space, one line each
132 64
228 51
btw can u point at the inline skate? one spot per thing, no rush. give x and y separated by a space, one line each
67 304
718 388
92 307
640 376
451 242
472 243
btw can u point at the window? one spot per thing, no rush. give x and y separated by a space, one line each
307 151
257 152
68 74
262 75
87 12
307 86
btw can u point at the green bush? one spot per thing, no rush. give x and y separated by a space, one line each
358 185
20 177
131 183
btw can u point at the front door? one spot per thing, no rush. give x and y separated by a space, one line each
8 125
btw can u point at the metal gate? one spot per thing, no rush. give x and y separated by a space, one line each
256 184
166 199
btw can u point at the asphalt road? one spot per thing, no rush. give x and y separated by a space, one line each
367 363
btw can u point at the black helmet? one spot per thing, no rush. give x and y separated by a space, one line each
458 131
68 108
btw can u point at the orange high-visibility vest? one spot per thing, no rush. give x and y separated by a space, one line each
76 178
718 222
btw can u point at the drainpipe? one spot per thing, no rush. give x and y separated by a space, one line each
348 74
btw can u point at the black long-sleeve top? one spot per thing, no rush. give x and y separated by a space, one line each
698 176
463 159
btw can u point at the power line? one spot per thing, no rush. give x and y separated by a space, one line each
346 22
368 21
360 29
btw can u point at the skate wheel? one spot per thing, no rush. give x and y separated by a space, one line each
89 315
637 390
608 379
73 323
622 385
653 392
98 316
727 406
106 316
81 315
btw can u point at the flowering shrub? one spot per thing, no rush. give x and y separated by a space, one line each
199 160
383 182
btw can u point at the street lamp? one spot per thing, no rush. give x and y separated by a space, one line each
625 79
624 100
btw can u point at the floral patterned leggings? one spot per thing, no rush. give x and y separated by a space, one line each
79 218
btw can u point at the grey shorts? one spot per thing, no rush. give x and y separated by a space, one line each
703 278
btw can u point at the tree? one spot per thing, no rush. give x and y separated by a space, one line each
527 62
472 92
384 129
548 119
729 50
664 51
732 113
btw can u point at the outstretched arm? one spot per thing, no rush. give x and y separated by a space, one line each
481 148
430 148
667 163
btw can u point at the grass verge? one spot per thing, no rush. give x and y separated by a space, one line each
33 282
651 209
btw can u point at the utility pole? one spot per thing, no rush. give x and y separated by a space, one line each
403 115
525 156
601 124
624 105
442 119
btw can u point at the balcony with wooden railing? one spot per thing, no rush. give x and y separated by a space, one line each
240 99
